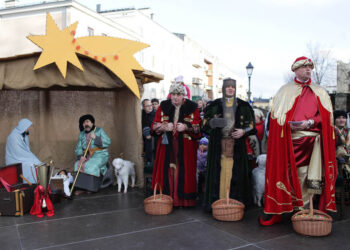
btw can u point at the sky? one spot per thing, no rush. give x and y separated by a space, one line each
270 34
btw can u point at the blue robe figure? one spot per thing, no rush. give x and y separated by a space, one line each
18 150
96 162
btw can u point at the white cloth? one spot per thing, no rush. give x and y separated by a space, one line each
18 150
66 181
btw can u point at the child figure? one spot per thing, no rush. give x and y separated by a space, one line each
67 180
202 152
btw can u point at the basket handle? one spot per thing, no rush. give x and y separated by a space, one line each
227 196
155 191
311 206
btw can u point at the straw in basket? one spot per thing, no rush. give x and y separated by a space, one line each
228 209
158 204
312 222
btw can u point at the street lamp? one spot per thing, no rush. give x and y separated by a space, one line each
249 72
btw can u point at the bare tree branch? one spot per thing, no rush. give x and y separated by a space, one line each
325 66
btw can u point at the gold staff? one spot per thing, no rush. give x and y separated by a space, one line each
81 163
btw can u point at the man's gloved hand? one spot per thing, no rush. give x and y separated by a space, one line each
146 131
341 160
217 123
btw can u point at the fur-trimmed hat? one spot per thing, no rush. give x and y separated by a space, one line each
302 61
338 113
228 82
177 88
83 118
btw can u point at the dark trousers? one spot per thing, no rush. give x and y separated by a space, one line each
147 145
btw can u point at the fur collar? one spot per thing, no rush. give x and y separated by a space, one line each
187 108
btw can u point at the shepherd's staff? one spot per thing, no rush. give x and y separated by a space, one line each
81 163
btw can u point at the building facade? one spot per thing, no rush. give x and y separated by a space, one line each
169 54
173 54
342 96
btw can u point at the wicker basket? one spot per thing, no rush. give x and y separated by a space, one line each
158 204
228 209
312 222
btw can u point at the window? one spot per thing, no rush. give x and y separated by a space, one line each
90 31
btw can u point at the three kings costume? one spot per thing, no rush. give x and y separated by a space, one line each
300 163
227 163
176 157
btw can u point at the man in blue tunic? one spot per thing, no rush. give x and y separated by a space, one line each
18 150
95 162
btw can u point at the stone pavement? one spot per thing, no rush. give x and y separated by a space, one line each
111 220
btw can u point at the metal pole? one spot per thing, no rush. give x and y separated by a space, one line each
249 93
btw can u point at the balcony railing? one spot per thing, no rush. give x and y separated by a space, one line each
197 81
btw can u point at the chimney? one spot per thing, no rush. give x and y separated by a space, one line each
11 3
98 8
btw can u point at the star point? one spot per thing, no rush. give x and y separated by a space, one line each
57 47
61 47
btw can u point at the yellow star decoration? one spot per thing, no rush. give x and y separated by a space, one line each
114 53
57 47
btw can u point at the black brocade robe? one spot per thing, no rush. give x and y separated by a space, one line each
240 188
187 152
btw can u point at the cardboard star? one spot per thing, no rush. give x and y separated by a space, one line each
57 47
116 54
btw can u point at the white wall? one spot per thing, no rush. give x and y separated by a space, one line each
168 54
17 23
171 56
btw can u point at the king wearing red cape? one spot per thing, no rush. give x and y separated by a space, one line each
301 147
177 122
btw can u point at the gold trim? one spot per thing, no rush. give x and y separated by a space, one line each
163 117
324 99
204 121
187 137
300 134
280 204
288 211
280 185
329 204
285 99
17 201
21 195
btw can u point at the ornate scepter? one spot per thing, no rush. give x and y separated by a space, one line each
81 163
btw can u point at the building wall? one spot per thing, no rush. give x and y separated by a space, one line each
169 54
173 55
166 54
343 77
17 23
343 85
16 27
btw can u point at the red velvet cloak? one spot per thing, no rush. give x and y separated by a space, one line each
282 188
187 150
